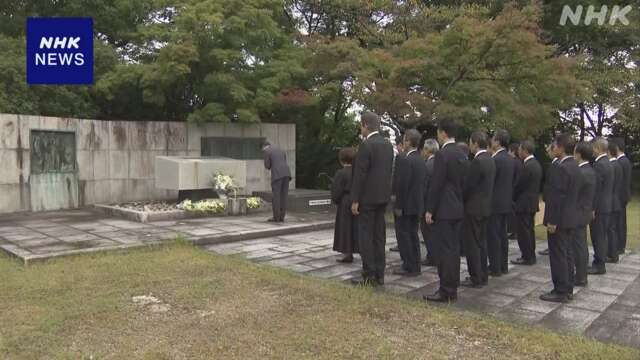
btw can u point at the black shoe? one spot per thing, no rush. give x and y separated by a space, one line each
403 272
440 297
595 271
554 297
544 252
569 295
482 283
365 282
612 260
505 272
427 262
582 283
470 284
272 220
379 281
521 261
346 260
495 273
394 249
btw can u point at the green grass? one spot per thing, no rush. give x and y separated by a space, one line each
225 307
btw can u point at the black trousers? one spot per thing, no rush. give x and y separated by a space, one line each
475 247
612 235
498 243
599 229
279 191
526 236
561 260
446 235
409 242
372 239
426 234
622 230
580 254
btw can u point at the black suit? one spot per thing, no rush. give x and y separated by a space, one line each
586 203
527 197
424 227
409 191
512 220
613 235
501 207
561 210
445 203
275 160
599 226
625 198
371 189
478 192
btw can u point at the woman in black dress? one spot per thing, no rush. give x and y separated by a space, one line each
344 239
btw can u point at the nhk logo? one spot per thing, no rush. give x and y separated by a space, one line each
59 51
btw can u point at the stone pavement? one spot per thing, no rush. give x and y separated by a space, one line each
607 309
39 236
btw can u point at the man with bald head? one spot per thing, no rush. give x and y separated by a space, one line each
370 193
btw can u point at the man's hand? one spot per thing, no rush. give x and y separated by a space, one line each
355 208
552 228
428 218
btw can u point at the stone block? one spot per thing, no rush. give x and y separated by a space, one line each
10 173
141 164
9 131
270 132
118 135
569 319
287 136
179 173
24 163
215 129
86 192
118 191
176 136
101 160
194 134
232 130
10 200
25 124
251 131
101 191
138 190
92 135
84 164
118 164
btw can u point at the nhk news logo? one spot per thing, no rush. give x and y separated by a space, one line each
59 51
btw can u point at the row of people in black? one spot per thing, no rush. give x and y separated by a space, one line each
463 203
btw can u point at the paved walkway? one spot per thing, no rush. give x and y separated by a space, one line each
607 309
39 236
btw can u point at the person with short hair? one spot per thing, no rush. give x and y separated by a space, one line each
526 199
603 206
370 194
627 168
429 150
275 160
613 236
561 215
586 195
344 236
478 191
445 210
409 177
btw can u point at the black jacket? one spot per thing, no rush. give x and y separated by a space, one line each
625 163
372 172
527 189
427 180
587 194
505 180
562 205
478 189
409 179
445 200
618 189
604 185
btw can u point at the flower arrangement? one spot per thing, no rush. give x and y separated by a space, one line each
212 206
223 184
253 202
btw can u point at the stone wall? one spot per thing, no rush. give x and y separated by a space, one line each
115 160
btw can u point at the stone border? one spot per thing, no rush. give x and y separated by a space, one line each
146 216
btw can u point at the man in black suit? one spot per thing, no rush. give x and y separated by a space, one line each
276 160
626 165
547 182
429 150
599 226
613 236
501 205
586 197
561 214
512 221
371 192
409 193
445 210
398 157
478 192
526 197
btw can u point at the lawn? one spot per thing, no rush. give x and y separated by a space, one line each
224 307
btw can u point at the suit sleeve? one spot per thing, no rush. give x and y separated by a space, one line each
436 186
558 194
267 160
363 161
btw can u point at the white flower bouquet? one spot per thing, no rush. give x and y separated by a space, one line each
211 206
254 202
223 184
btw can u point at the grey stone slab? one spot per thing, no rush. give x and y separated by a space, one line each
260 254
77 238
518 314
569 319
203 232
298 268
258 246
533 303
23 236
592 300
330 272
628 333
606 324
321 263
38 242
290 260
52 248
518 287
607 286
415 282
397 289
